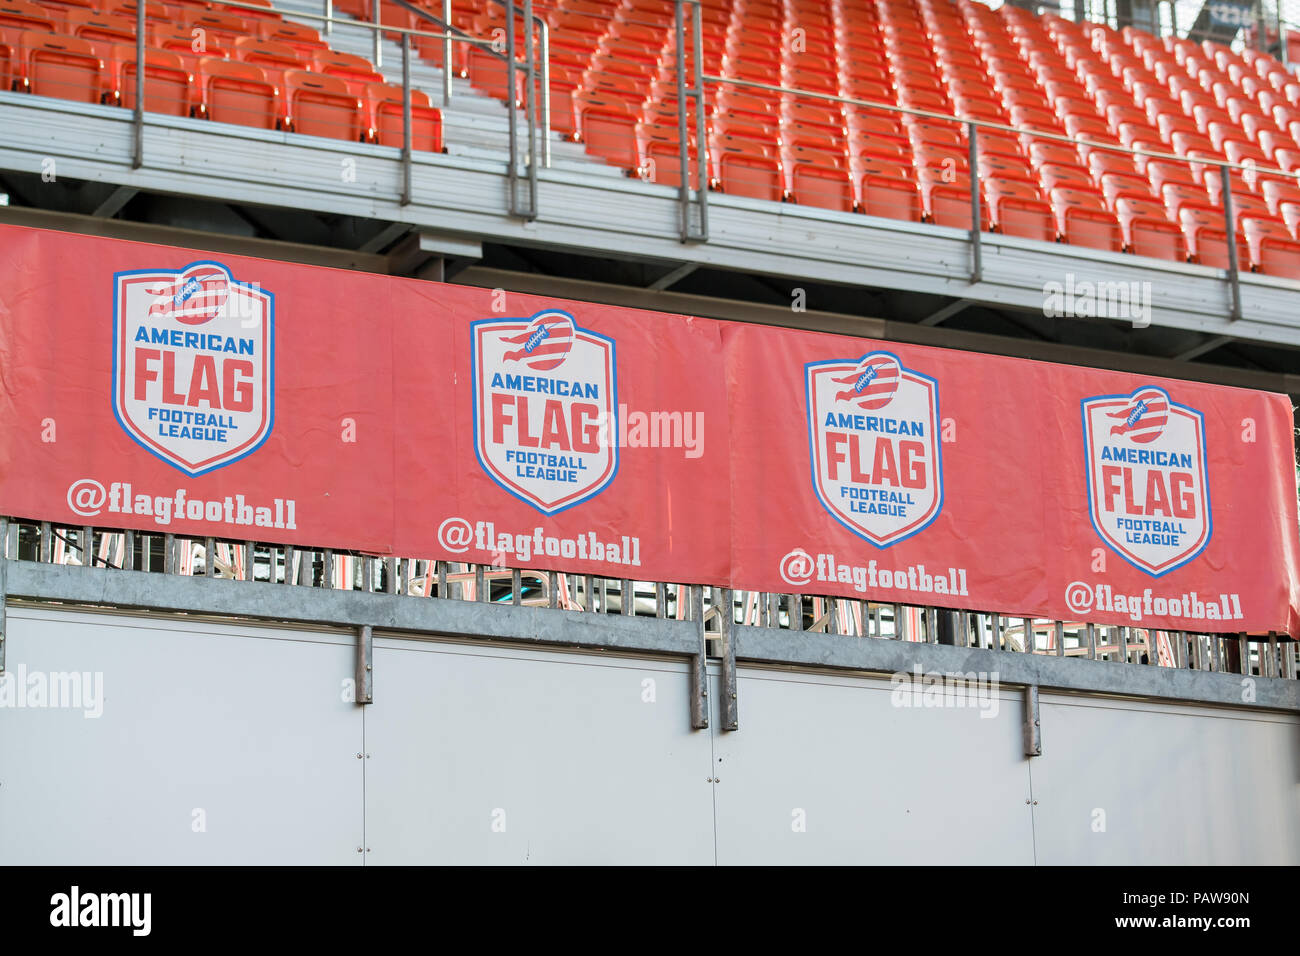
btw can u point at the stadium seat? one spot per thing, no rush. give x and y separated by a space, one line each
383 104
1203 230
887 189
235 92
1272 249
355 71
319 105
54 64
1147 230
1083 220
1016 208
168 84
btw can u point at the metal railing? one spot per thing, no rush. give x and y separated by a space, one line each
1263 655
694 203
378 29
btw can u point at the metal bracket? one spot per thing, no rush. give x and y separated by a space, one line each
365 665
730 709
1032 726
699 691
4 572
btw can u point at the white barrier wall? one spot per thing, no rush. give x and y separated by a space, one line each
233 743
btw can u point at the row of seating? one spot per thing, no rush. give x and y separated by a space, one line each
257 71
1082 87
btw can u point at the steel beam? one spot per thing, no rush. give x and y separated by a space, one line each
436 617
365 686
1032 723
1047 672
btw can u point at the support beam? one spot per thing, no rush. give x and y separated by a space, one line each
699 689
947 312
365 687
1208 345
673 277
1032 724
278 250
730 705
118 198
4 594
466 620
385 237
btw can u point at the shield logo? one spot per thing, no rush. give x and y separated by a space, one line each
545 408
874 445
193 364
1148 484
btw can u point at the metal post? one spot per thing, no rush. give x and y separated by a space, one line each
1281 38
1033 730
329 17
701 142
379 36
730 711
699 690
365 665
4 571
406 119
446 52
137 119
544 29
683 144
512 174
977 253
1230 224
530 105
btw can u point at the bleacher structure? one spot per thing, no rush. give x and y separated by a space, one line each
920 171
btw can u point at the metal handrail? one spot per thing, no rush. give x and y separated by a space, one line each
544 40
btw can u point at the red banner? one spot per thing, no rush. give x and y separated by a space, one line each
166 390
936 477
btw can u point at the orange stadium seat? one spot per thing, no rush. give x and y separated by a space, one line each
235 92
383 102
58 65
319 105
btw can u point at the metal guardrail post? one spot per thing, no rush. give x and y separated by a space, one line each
544 34
4 571
730 705
701 142
137 118
329 17
977 252
406 119
694 212
365 676
446 52
378 35
1230 231
699 688
683 143
1033 728
530 106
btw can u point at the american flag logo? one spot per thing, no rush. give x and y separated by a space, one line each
198 295
1144 418
544 344
872 384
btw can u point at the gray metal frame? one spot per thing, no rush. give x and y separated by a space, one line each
368 611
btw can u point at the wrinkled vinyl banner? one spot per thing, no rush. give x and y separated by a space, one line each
166 390
935 477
